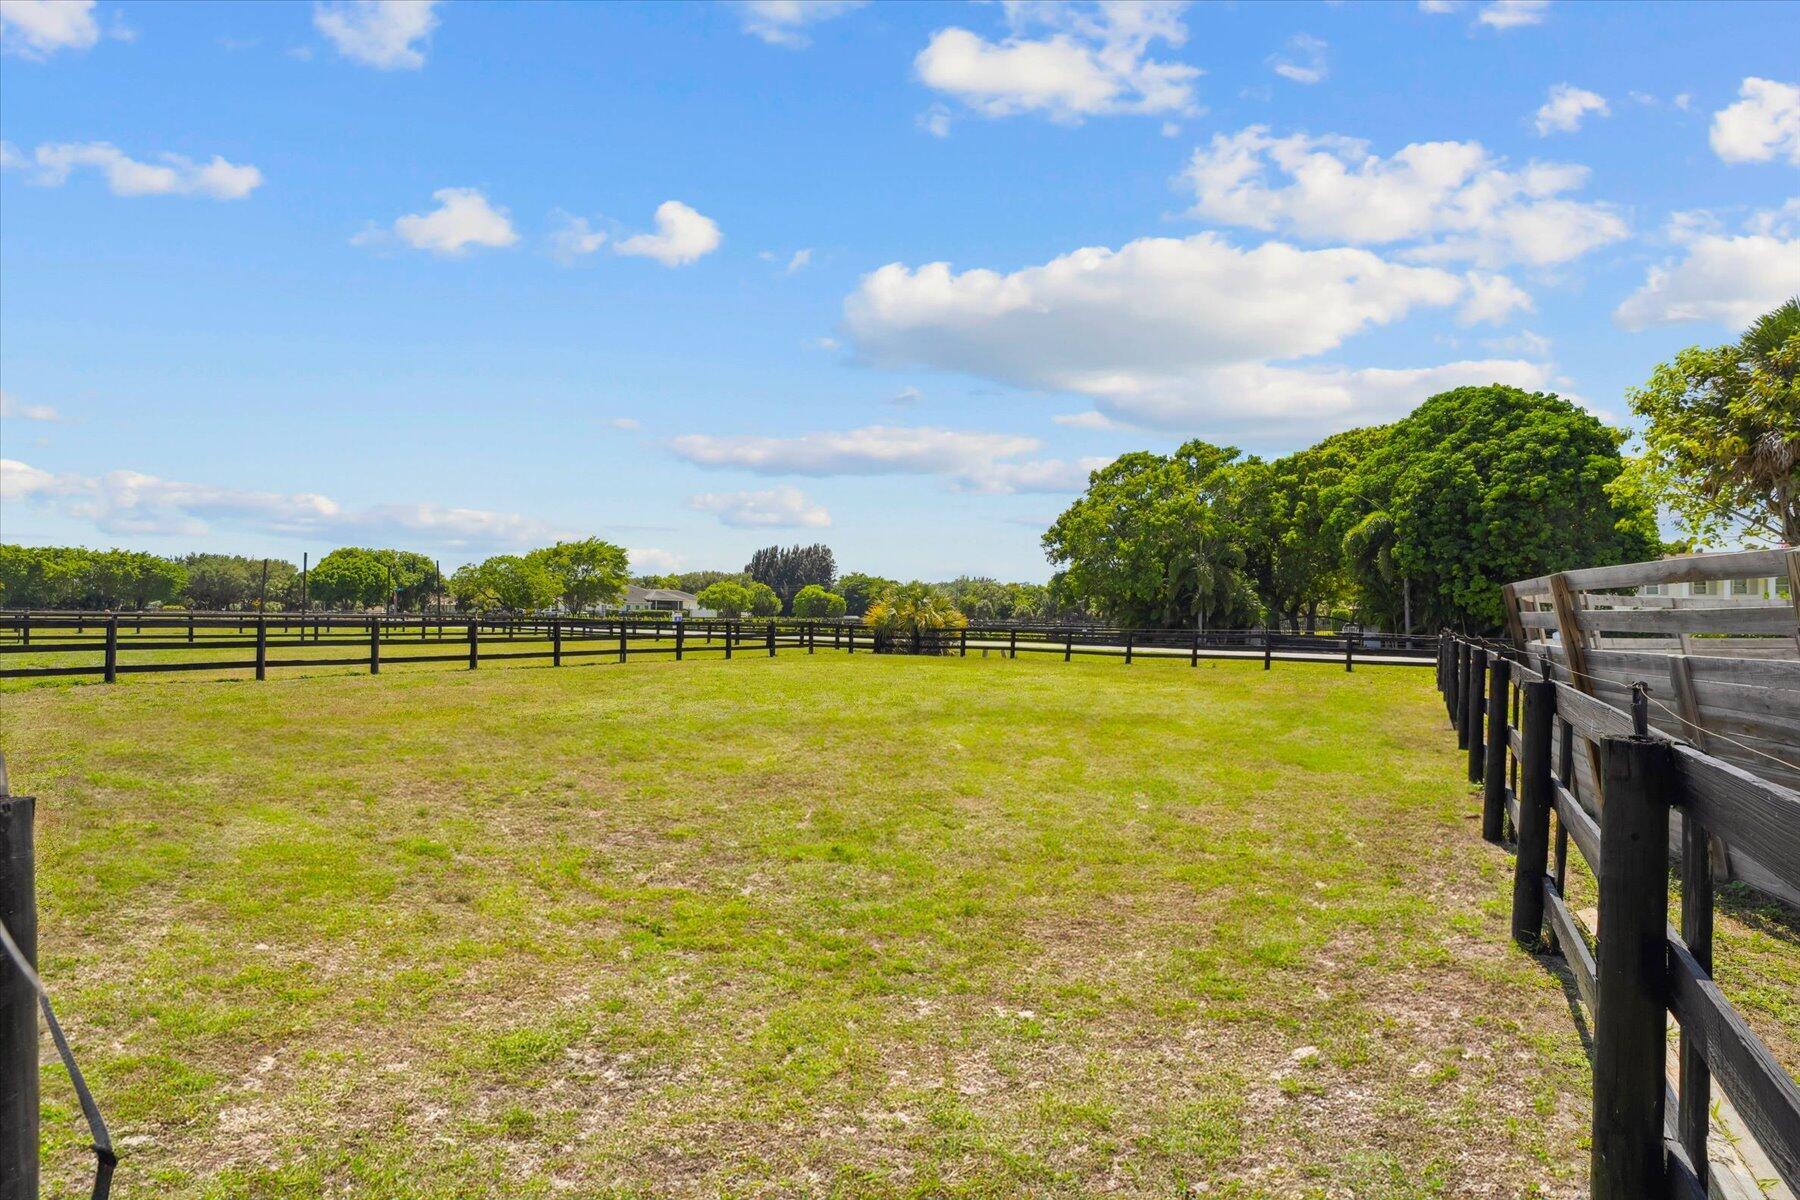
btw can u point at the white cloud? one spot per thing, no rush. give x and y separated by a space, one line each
649 560
1512 14
1719 277
935 121
628 424
574 239
1763 125
785 22
1086 60
1522 342
386 34
27 412
969 461
1452 200
1566 107
1304 61
39 28
776 508
906 397
1176 333
171 175
463 218
799 261
1493 299
682 236
1438 6
130 502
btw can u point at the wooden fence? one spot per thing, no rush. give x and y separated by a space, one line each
159 642
1520 727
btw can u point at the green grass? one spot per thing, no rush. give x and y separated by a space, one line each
824 926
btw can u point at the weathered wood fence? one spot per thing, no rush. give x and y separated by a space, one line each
1521 727
159 642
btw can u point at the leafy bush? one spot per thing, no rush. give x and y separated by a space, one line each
815 602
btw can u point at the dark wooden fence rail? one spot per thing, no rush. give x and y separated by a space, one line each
1520 730
160 642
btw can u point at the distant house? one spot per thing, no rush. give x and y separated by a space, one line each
643 599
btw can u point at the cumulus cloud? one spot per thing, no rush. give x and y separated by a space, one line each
1763 125
1492 299
1064 61
1720 277
131 502
463 218
27 412
1566 107
1304 60
39 28
1513 14
785 22
775 508
1449 200
682 236
1176 333
574 239
386 34
968 461
171 175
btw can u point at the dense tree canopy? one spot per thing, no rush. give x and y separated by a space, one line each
72 577
588 572
350 577
1722 434
1477 487
859 591
506 582
727 597
1153 541
814 602
787 569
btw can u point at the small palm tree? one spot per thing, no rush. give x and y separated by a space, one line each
905 611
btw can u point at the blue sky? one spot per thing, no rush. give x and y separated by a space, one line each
466 277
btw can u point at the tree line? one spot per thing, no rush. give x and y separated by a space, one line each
1418 523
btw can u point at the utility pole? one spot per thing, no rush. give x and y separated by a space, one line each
262 591
305 563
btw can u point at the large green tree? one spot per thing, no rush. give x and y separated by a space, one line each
727 597
787 569
859 591
1152 541
814 602
349 577
506 582
589 571
1722 434
1477 487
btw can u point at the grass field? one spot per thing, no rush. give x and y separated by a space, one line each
837 926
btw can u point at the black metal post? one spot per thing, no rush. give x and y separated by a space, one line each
1534 813
110 666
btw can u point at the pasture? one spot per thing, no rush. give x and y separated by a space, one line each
860 926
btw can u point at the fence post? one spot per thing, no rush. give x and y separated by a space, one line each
262 647
1128 647
25 630
963 643
190 624
1068 644
1632 988
1532 861
851 637
622 650
729 627
1493 805
812 630
1268 648
1694 1099
1349 651
1194 650
680 629
474 642
556 641
18 1002
1472 719
771 639
1012 642
917 642
374 645
1460 715
111 665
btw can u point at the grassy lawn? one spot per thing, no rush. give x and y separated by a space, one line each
836 926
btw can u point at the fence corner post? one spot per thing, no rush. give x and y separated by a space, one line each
1493 804
1632 988
18 1001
